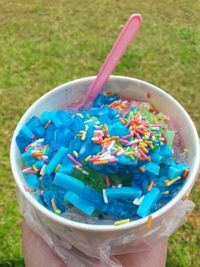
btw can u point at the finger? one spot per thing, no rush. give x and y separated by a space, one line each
37 252
154 257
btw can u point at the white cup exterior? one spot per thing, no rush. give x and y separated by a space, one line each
62 97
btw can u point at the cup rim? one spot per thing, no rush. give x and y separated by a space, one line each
104 228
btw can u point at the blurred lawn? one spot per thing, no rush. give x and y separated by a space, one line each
46 43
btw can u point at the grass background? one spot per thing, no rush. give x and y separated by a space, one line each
44 43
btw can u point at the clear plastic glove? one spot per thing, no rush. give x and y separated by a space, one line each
38 253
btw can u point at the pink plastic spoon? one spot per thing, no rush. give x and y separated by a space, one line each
128 32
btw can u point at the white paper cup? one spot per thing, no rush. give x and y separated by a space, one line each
86 236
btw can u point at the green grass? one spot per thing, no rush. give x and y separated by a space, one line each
46 43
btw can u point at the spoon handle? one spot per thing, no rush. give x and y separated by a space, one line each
128 32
